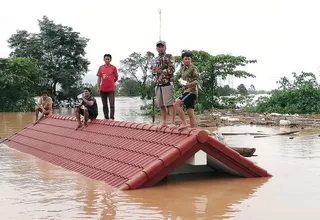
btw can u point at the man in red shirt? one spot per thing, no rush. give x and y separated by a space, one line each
107 76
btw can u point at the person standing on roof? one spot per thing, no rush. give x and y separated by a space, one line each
163 71
107 77
189 76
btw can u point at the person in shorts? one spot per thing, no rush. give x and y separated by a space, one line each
44 106
89 110
163 72
189 74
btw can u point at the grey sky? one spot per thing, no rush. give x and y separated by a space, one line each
282 35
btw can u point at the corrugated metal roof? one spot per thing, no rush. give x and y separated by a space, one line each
125 155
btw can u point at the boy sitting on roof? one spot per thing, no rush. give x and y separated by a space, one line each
89 110
44 106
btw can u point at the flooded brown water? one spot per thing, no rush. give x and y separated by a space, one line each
34 189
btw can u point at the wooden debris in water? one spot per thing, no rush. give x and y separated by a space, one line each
245 152
257 135
269 135
243 133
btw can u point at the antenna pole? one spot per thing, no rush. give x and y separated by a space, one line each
159 23
153 101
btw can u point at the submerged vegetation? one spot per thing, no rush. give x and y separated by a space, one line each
301 96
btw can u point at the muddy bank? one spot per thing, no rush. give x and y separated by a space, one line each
220 118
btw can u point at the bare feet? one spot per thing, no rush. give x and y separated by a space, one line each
172 126
36 121
79 126
181 127
163 126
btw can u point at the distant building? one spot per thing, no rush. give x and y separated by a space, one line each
228 81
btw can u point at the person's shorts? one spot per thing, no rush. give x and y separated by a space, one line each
164 95
46 109
188 99
92 114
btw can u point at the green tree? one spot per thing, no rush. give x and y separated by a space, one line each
301 96
138 68
19 80
129 87
59 50
284 83
71 92
252 89
226 90
210 68
298 81
242 90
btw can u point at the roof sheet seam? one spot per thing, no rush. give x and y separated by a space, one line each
131 138
77 162
111 146
85 152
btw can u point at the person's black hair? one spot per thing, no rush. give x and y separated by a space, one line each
44 92
107 55
186 54
86 88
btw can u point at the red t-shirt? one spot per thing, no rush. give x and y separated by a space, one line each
109 75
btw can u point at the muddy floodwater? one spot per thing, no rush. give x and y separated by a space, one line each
34 189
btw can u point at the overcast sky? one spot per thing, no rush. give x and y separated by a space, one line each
282 35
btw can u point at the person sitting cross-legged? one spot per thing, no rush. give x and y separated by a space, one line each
89 110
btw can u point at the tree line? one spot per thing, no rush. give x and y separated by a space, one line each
55 57
42 61
137 77
301 95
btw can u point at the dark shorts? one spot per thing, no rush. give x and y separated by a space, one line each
188 99
92 114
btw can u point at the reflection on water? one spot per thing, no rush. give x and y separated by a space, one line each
293 191
11 122
41 190
34 189
196 198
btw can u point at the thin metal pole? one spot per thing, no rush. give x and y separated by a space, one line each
153 93
159 23
153 115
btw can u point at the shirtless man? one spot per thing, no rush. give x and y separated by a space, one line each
44 106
